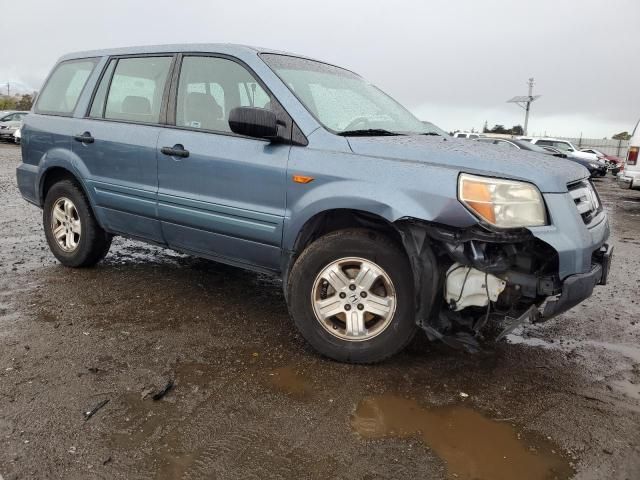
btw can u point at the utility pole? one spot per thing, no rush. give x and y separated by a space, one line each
525 102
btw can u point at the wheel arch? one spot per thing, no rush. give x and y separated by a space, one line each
55 174
328 221
331 220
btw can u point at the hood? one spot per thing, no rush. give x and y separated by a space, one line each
585 155
550 174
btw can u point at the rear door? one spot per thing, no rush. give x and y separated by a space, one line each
224 195
117 142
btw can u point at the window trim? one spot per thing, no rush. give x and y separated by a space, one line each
163 105
37 110
504 140
173 98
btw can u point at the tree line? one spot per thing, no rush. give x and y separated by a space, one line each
16 102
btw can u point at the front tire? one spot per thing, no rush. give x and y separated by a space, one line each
351 296
72 232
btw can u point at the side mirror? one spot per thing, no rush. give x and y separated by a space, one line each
254 122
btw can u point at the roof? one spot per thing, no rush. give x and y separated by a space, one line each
228 48
553 139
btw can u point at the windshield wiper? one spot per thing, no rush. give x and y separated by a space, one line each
369 132
432 133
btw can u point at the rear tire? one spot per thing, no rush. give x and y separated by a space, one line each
72 232
365 316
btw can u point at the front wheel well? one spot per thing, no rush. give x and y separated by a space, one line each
340 219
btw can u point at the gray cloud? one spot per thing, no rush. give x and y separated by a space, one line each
455 63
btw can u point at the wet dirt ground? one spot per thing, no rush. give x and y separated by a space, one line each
250 400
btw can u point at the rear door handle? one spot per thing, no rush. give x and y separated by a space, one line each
176 151
84 138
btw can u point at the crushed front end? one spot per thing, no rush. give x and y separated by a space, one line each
469 278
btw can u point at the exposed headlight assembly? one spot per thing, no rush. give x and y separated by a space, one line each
503 203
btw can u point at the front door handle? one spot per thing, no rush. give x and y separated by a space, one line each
176 151
84 138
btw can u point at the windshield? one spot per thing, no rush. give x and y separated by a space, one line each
533 147
564 146
343 101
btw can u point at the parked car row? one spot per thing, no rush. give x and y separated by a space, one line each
597 162
10 123
596 169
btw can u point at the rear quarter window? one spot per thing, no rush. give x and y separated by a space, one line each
63 88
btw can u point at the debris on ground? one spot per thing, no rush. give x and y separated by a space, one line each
164 391
94 410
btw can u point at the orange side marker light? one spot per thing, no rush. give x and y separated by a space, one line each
302 179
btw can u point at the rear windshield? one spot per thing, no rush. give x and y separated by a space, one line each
61 92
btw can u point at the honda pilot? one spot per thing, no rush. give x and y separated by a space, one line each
378 224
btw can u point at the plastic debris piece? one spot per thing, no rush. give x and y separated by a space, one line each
164 391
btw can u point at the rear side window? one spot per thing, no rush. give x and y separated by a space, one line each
131 89
60 95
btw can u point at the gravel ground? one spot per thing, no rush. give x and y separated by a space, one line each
251 400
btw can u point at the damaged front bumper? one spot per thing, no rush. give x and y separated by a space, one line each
579 287
544 270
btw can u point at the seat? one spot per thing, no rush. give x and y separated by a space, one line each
203 111
136 108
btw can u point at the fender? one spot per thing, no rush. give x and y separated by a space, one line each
377 198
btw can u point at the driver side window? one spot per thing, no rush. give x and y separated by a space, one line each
210 87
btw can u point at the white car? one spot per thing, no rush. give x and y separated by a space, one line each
9 123
564 146
629 177
17 135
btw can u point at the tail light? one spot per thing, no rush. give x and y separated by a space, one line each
632 156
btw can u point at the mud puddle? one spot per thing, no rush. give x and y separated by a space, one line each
472 445
289 381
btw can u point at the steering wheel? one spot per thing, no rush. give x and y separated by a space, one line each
357 121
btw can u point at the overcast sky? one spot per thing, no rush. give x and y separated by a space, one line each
452 62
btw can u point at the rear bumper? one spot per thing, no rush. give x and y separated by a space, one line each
628 179
579 287
27 178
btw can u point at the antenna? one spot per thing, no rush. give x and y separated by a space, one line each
525 102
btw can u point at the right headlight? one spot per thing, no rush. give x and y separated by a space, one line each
503 203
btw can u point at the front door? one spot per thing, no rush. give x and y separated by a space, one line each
117 145
220 194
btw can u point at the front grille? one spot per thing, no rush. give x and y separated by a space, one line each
586 199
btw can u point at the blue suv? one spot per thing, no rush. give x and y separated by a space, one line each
378 223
